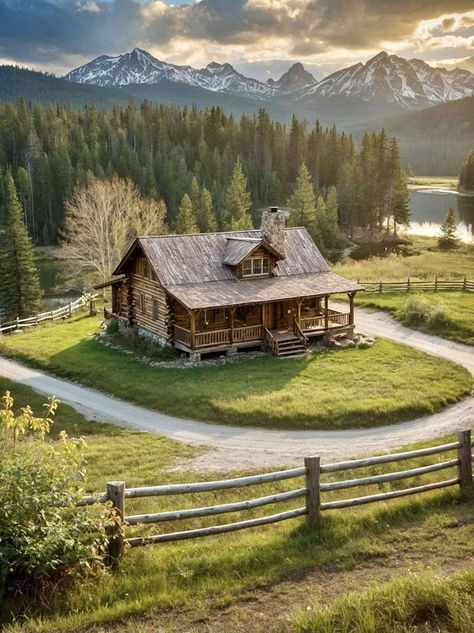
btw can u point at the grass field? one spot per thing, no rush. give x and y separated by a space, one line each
249 580
350 388
459 307
418 602
449 182
426 265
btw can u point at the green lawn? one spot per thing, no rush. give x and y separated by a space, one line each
459 307
330 390
175 584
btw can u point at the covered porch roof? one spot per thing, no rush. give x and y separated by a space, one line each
232 292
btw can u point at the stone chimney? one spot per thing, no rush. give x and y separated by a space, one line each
273 228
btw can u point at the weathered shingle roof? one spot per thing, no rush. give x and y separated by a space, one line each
239 248
199 258
197 269
215 294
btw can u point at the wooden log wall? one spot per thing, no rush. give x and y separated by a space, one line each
150 289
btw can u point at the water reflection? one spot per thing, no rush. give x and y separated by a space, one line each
429 208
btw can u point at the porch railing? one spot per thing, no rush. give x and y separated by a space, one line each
183 335
312 323
248 333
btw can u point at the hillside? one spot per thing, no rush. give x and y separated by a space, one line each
435 140
35 86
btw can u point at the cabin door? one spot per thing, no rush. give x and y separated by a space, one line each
269 316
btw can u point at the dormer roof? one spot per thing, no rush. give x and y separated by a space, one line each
239 248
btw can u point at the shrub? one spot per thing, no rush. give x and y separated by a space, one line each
112 326
420 310
142 346
44 538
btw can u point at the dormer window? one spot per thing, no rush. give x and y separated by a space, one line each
255 266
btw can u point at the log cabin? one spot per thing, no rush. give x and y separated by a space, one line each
224 292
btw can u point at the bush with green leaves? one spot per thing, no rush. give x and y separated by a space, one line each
44 538
419 310
112 326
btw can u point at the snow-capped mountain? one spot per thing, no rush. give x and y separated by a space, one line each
391 79
296 79
384 79
139 67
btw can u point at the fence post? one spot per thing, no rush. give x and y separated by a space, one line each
408 284
465 463
380 286
464 285
17 323
116 494
436 283
313 497
92 308
70 310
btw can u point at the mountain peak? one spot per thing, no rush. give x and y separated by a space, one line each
295 79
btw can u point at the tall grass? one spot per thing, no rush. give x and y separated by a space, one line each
419 602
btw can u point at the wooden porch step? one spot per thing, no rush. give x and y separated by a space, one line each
289 346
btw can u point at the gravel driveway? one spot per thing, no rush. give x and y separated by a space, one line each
250 448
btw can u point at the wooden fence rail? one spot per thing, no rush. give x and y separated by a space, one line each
312 491
435 285
52 315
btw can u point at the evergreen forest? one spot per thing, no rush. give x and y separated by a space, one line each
195 161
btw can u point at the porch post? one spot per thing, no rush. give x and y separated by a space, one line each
351 307
193 329
299 303
231 324
326 311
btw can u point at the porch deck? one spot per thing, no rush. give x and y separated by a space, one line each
247 336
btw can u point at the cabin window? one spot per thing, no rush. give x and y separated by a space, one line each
154 309
254 266
143 268
141 302
243 314
212 317
311 303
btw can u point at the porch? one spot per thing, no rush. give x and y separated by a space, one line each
284 325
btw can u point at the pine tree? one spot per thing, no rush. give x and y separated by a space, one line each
20 291
186 220
207 215
302 203
236 203
466 178
448 238
332 240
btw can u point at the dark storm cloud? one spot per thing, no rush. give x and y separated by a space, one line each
48 31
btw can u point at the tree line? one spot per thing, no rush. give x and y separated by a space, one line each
190 159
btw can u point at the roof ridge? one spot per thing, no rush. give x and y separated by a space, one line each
167 235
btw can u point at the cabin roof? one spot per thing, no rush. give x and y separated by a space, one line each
221 293
201 257
238 248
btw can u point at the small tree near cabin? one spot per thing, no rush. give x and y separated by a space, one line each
102 218
186 219
236 204
20 291
448 238
302 204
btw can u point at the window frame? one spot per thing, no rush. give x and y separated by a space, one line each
155 309
249 264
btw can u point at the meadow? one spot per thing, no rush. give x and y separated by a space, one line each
331 389
259 579
446 314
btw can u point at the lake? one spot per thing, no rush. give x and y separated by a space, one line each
429 207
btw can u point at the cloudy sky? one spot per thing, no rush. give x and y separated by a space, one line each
260 38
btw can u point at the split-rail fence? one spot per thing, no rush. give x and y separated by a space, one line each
51 315
435 285
312 492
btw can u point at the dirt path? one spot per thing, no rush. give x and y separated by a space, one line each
248 448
